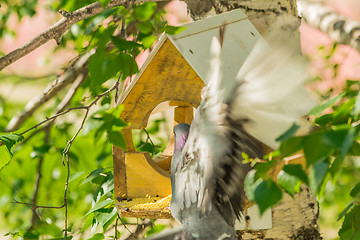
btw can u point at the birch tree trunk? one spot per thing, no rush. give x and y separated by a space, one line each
339 28
293 218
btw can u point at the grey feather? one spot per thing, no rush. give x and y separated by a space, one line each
207 169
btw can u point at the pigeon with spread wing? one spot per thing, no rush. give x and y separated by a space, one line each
235 116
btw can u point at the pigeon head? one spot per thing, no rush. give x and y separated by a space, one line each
181 132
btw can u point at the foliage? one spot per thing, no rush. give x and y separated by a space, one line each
65 165
328 149
36 160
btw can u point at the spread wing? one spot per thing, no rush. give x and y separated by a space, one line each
209 170
269 96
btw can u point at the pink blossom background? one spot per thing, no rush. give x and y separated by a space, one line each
42 61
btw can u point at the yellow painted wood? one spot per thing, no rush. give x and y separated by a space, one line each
143 213
120 191
145 177
168 77
184 115
128 139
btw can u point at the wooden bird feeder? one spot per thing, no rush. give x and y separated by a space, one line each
175 72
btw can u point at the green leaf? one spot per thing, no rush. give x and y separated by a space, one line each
342 113
355 150
116 111
104 36
341 137
5 156
172 30
263 168
336 136
155 229
40 151
320 108
88 222
117 139
104 3
123 44
289 133
104 215
291 146
10 139
127 64
148 41
314 149
93 175
355 191
145 27
318 174
145 11
76 176
111 220
267 194
102 109
345 211
97 236
336 167
297 171
101 204
351 225
91 124
289 183
251 183
324 119
103 66
119 122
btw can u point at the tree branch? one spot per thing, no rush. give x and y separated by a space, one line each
35 215
68 77
340 28
57 30
140 228
37 206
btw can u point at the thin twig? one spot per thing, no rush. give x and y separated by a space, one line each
131 234
148 139
67 147
140 229
115 227
69 76
35 215
36 206
57 30
69 144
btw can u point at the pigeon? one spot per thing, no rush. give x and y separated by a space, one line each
236 118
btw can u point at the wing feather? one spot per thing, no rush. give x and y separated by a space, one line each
211 171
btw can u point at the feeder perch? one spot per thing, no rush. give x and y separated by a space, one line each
174 73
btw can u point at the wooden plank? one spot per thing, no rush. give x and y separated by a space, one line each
167 77
119 173
145 213
144 177
128 139
183 115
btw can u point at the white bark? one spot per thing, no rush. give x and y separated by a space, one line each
340 28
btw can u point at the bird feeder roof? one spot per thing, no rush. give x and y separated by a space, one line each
177 66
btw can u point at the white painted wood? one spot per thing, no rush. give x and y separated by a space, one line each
251 220
240 37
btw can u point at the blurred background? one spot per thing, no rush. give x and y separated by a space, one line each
331 65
